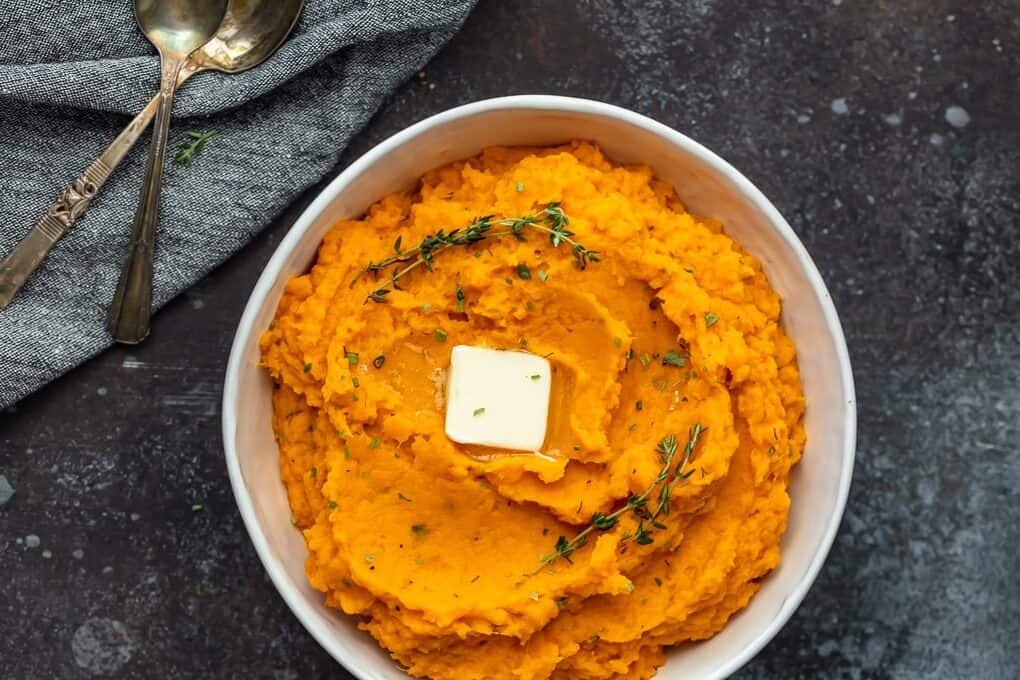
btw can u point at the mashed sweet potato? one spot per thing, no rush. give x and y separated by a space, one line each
432 544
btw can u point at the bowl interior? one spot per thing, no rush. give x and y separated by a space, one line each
709 187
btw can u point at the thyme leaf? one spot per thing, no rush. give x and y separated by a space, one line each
672 358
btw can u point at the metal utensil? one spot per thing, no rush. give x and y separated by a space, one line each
251 31
176 28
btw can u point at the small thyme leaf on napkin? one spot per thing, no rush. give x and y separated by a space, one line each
194 145
549 220
667 478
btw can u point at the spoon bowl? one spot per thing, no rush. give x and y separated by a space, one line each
180 27
251 31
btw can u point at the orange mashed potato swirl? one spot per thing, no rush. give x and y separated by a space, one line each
433 545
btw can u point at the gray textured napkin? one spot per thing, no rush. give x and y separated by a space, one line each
72 74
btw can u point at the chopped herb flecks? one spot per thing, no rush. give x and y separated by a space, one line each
672 358
523 271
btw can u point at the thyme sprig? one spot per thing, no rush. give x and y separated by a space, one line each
192 147
665 481
549 220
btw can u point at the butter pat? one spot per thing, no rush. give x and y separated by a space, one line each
497 398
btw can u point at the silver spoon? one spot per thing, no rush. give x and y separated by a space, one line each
176 28
251 31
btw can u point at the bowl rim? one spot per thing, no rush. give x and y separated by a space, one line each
533 102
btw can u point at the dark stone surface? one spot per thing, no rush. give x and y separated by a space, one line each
914 223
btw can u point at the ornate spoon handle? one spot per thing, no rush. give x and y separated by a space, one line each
32 249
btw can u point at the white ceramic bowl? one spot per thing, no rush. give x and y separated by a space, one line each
710 187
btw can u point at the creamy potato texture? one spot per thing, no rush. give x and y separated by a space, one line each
433 545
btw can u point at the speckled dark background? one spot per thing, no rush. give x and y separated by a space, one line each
838 111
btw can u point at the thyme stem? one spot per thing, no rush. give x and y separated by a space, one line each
193 146
667 478
549 220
